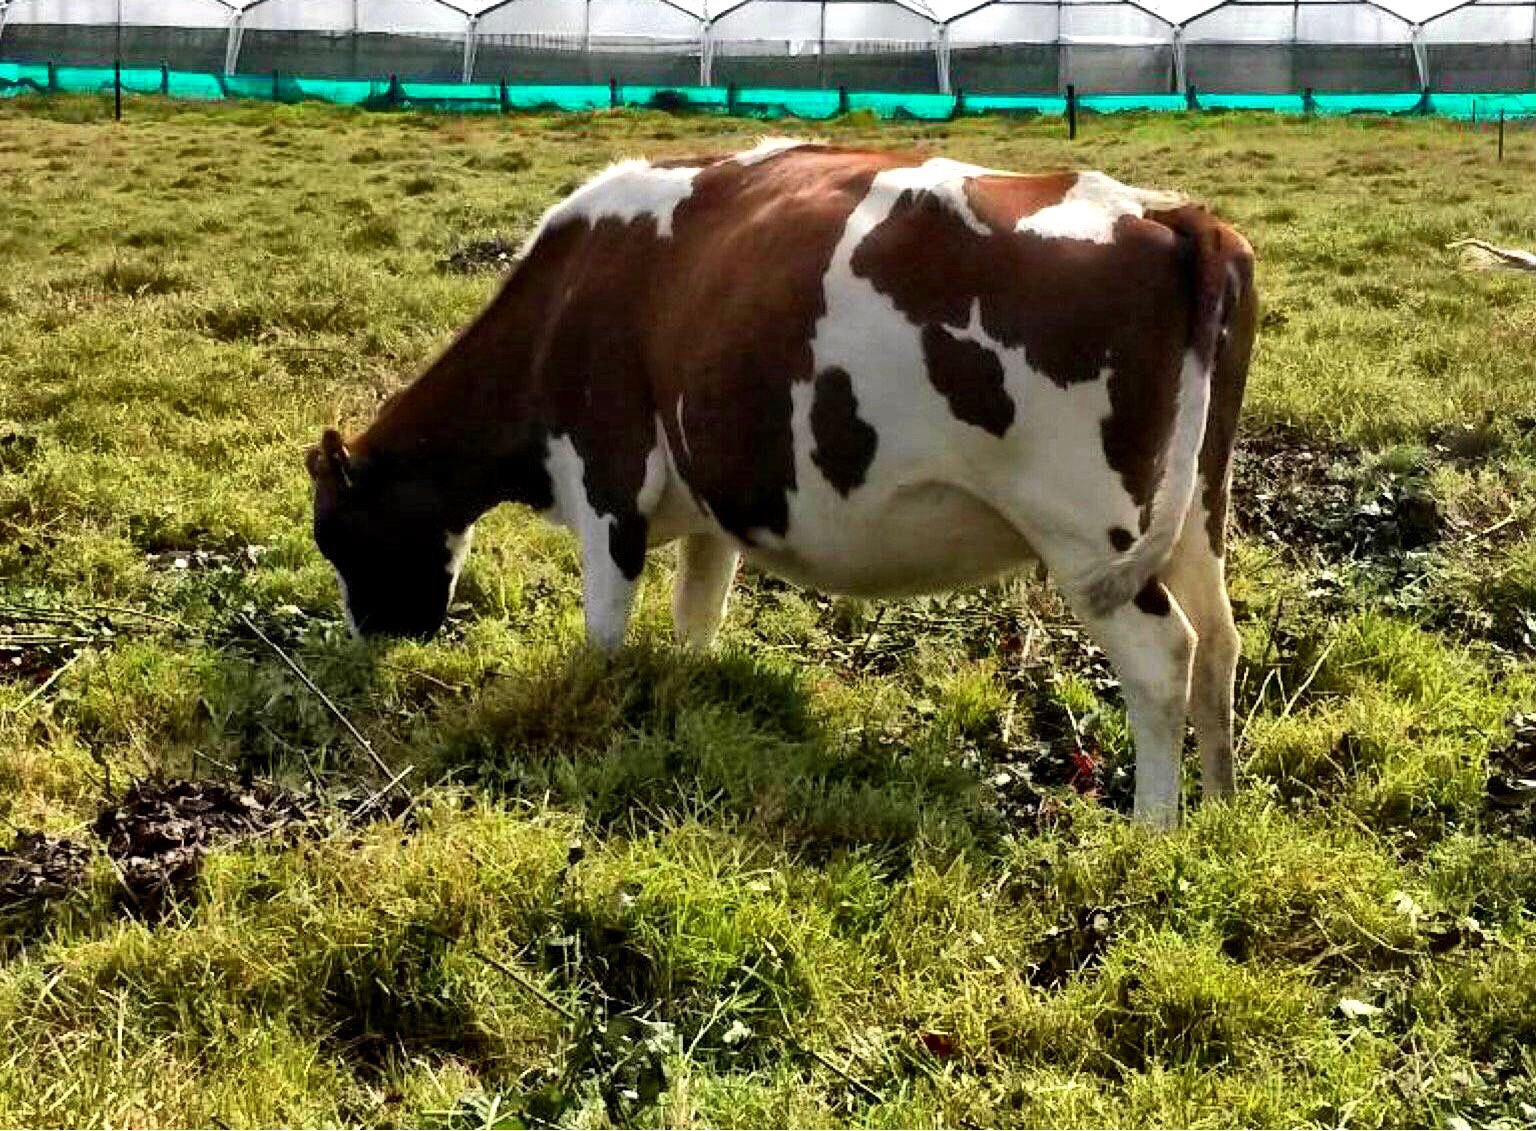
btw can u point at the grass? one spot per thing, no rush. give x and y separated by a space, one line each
835 874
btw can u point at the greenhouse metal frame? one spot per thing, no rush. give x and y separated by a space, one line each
979 46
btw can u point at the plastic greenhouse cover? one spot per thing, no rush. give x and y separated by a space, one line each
299 15
627 17
800 19
1112 21
410 16
1325 22
1031 22
136 13
525 17
1484 23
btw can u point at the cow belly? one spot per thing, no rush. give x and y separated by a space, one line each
925 538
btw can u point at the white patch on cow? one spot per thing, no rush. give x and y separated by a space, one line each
768 147
458 549
655 478
1107 584
944 503
1092 207
625 191
939 177
1151 656
606 592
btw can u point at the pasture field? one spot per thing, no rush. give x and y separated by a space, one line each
869 865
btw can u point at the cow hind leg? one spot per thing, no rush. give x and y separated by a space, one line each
1196 576
706 566
1150 644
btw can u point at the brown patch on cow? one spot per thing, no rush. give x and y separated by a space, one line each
771 228
1076 308
1153 599
1121 538
845 443
971 378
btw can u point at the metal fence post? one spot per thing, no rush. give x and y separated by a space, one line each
613 92
165 78
842 100
1071 112
117 89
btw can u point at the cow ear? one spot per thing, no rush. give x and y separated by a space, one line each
331 460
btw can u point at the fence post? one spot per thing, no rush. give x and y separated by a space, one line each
842 100
959 107
1308 103
613 92
396 94
1191 97
730 98
502 95
1501 135
1071 112
165 78
117 89
277 95
53 78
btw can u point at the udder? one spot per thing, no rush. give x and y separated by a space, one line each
926 538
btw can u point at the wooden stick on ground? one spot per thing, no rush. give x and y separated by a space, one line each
357 736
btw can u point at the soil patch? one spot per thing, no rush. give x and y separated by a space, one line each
1307 498
158 833
162 829
1511 785
480 256
38 868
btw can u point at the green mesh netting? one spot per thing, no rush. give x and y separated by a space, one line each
753 102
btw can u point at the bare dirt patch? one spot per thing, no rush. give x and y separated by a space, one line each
161 830
1307 497
478 257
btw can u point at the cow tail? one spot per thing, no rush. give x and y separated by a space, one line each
1221 267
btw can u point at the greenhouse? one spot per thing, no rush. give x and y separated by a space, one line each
981 47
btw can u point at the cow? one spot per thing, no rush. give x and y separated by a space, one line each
870 373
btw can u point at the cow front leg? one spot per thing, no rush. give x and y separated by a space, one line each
1150 643
612 559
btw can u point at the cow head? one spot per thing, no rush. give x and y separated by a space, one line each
396 554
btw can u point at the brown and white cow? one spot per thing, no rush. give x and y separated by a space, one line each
870 373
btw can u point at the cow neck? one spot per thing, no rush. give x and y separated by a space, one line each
468 425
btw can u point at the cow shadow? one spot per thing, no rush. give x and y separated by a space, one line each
655 737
